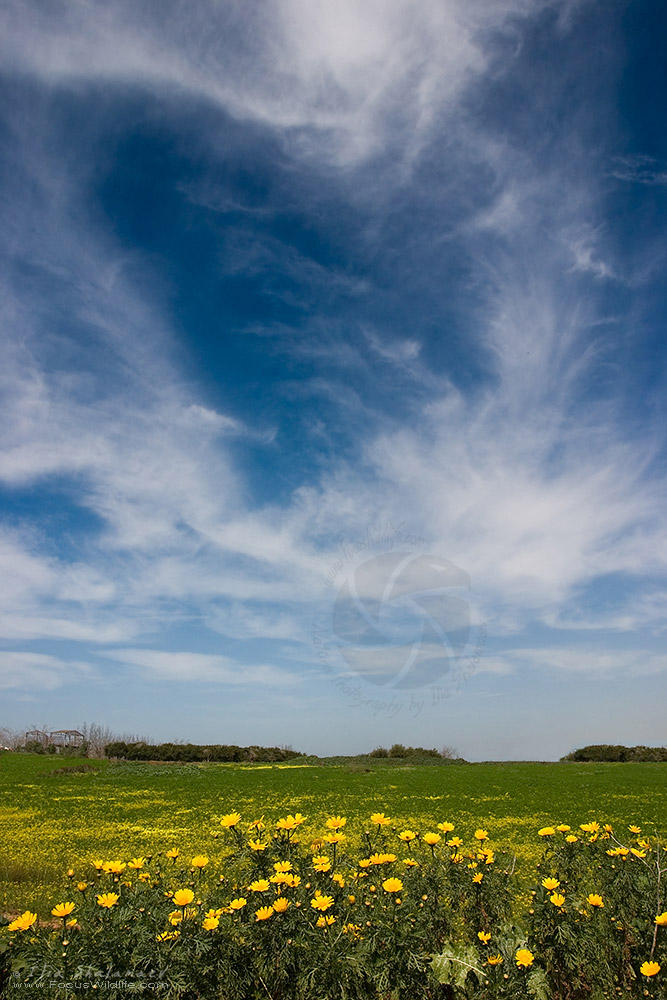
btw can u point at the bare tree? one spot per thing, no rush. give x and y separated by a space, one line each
96 738
12 739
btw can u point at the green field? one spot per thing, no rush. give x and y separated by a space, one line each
50 822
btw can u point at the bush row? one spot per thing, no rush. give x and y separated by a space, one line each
194 752
611 753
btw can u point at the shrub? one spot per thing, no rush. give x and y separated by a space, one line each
419 915
606 752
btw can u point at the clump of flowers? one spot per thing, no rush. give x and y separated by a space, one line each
306 916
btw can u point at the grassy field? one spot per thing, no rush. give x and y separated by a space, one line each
53 818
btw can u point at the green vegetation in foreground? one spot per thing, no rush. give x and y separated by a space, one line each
52 821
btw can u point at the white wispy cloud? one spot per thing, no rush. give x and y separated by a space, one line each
341 82
38 671
187 667
524 480
589 660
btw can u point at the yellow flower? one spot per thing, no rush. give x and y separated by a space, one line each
336 822
322 902
445 827
380 819
456 858
550 883
281 904
338 879
230 820
62 909
210 923
635 829
290 822
563 828
143 877
557 899
407 835
637 854
175 917
113 867
283 866
215 913
594 900
167 935
477 878
432 839
107 899
494 960
259 885
199 861
524 958
661 919
322 862
82 886
98 864
136 863
263 913
257 845
24 922
410 862
325 921
292 880
546 831
392 885
182 897
333 838
484 936
571 839
649 968
481 835
590 827
455 842
172 853
238 904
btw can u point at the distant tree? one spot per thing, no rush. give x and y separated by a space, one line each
97 737
379 752
11 738
615 753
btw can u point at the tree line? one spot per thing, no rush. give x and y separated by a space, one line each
614 753
193 752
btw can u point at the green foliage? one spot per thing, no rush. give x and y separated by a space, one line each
138 807
617 754
191 752
291 911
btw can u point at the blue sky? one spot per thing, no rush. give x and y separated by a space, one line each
333 382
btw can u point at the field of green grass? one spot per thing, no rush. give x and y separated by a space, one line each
53 818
